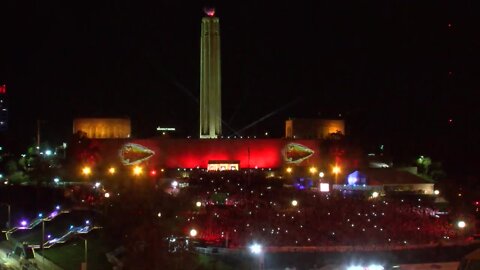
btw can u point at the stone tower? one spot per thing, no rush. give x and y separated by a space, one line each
210 77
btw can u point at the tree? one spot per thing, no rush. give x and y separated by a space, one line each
423 164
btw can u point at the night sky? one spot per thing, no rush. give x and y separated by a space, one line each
397 71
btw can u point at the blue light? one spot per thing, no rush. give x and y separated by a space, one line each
356 178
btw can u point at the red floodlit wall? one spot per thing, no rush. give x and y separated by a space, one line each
193 153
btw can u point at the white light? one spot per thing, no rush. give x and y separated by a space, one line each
193 232
198 204
324 187
375 267
56 180
321 174
107 195
159 214
48 152
436 192
97 184
461 224
375 194
256 248
174 184
87 221
355 268
294 203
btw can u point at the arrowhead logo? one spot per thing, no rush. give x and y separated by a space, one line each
296 153
132 153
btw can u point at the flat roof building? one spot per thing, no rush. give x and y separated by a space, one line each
103 128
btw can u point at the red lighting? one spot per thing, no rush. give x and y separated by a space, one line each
209 11
3 89
189 153
153 172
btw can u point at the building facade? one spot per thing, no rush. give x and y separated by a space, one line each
103 128
313 128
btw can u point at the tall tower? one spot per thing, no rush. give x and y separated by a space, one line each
3 108
210 82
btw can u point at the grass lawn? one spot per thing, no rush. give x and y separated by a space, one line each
71 254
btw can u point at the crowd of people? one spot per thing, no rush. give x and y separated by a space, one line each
235 209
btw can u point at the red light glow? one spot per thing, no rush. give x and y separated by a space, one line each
209 11
189 153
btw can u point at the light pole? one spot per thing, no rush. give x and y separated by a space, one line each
85 254
8 214
257 250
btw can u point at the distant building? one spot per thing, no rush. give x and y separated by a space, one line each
390 180
313 128
3 108
103 128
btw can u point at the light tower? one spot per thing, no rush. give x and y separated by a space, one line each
210 82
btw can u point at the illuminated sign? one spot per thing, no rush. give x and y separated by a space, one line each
132 153
223 165
165 129
296 153
324 187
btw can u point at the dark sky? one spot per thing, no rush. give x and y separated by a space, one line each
383 65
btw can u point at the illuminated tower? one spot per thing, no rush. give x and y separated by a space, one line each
210 83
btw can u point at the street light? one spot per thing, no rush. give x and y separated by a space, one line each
137 170
257 250
86 171
336 170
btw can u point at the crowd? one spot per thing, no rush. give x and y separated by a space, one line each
236 209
